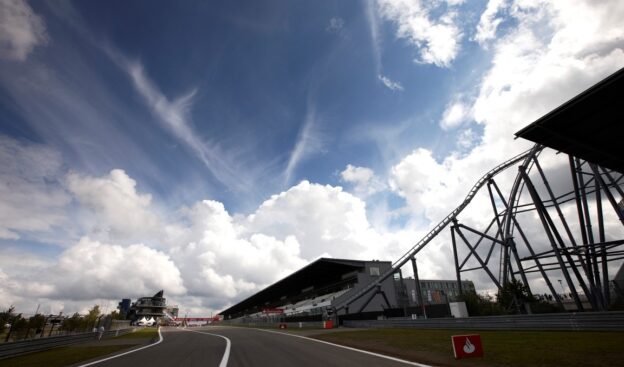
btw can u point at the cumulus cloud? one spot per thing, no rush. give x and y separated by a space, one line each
437 37
454 115
33 200
21 30
117 208
552 52
86 273
222 262
324 219
489 21
533 71
467 139
92 270
207 258
363 179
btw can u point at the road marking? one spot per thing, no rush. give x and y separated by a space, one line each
228 345
350 348
123 354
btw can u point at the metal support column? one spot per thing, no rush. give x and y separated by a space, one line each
419 294
603 250
542 215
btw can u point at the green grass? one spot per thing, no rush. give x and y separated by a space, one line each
69 355
140 333
502 348
63 356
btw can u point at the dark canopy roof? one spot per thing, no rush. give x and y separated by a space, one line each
587 126
317 274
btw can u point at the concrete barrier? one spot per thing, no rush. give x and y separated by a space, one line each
582 321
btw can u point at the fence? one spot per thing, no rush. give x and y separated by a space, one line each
586 321
12 349
263 323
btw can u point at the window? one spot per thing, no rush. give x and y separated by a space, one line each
374 271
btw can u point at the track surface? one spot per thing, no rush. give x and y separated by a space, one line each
249 347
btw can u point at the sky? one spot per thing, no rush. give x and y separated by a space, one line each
212 148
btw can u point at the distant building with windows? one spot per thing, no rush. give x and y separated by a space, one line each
436 291
173 310
124 307
148 307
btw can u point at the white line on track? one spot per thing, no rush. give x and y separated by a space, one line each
123 354
228 345
350 348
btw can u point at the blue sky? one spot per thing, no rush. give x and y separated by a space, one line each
259 80
168 129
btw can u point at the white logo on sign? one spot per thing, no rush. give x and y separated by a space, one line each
469 347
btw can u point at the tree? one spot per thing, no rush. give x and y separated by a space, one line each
73 323
513 296
6 317
479 305
92 317
18 327
115 315
36 323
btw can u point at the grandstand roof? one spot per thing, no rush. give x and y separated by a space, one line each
317 274
587 125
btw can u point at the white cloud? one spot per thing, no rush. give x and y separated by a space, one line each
32 198
466 139
325 220
554 51
86 273
363 179
92 270
20 30
117 208
548 57
226 165
225 258
533 71
489 21
309 141
436 37
454 115
536 67
336 25
390 84
222 262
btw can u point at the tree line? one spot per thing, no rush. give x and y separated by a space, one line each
14 326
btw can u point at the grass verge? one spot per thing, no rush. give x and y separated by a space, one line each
502 348
63 356
140 333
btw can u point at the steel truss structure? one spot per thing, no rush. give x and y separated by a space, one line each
536 233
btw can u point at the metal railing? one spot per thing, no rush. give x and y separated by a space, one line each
12 349
584 321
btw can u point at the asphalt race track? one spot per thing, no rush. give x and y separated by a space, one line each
238 347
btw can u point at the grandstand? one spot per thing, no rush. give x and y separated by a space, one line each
311 292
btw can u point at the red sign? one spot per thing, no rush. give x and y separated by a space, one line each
272 310
467 346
